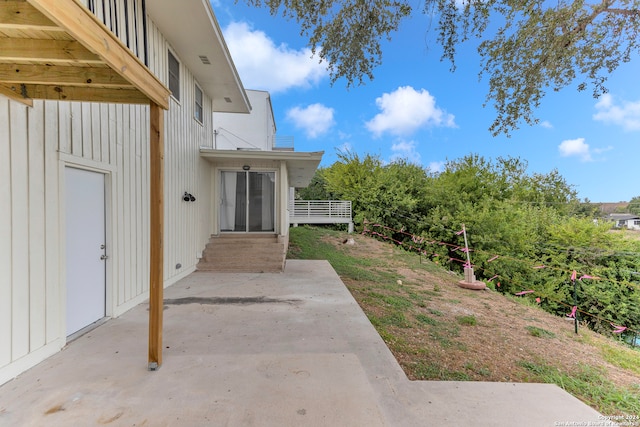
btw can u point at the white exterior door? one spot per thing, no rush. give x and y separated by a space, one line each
85 248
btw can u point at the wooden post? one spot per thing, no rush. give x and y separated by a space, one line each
156 229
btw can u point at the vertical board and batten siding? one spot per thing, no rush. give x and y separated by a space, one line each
125 19
36 144
29 234
187 224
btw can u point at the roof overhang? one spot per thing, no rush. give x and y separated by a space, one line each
59 50
301 166
191 28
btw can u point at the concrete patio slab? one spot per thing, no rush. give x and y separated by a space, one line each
290 349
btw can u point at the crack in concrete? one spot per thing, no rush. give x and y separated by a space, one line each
229 300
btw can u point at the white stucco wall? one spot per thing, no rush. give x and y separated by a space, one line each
254 131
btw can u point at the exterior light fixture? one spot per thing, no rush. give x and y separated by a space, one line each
246 167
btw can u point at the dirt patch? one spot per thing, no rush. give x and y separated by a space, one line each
449 333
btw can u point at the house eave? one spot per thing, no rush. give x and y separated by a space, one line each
301 166
192 30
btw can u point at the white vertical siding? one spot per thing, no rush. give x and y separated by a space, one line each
19 231
187 224
5 236
36 143
126 24
52 258
37 256
29 244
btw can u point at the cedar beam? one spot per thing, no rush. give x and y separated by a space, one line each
85 27
156 230
88 94
12 94
45 50
62 75
18 14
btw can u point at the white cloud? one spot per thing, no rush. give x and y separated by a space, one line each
343 135
575 148
625 114
603 150
436 167
405 150
315 119
546 124
406 110
264 65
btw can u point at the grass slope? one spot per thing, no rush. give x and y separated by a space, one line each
439 331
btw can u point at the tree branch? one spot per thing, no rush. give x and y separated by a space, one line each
626 12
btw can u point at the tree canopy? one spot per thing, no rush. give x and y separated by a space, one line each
528 47
634 205
515 221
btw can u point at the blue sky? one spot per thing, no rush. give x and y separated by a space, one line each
415 108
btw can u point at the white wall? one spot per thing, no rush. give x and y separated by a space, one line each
36 144
255 130
187 224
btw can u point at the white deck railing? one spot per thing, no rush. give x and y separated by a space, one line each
320 212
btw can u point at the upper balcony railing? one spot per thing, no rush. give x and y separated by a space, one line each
283 143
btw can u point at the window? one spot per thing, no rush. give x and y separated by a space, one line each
198 110
636 222
174 76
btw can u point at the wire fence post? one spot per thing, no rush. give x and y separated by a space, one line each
575 303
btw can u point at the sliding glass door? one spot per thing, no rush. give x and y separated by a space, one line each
247 202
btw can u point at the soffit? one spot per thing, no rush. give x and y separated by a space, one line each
192 30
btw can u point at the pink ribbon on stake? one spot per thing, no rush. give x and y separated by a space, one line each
494 258
618 329
573 312
492 278
459 232
524 292
574 275
586 276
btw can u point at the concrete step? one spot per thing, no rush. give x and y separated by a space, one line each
222 248
253 268
243 253
241 259
241 244
245 236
